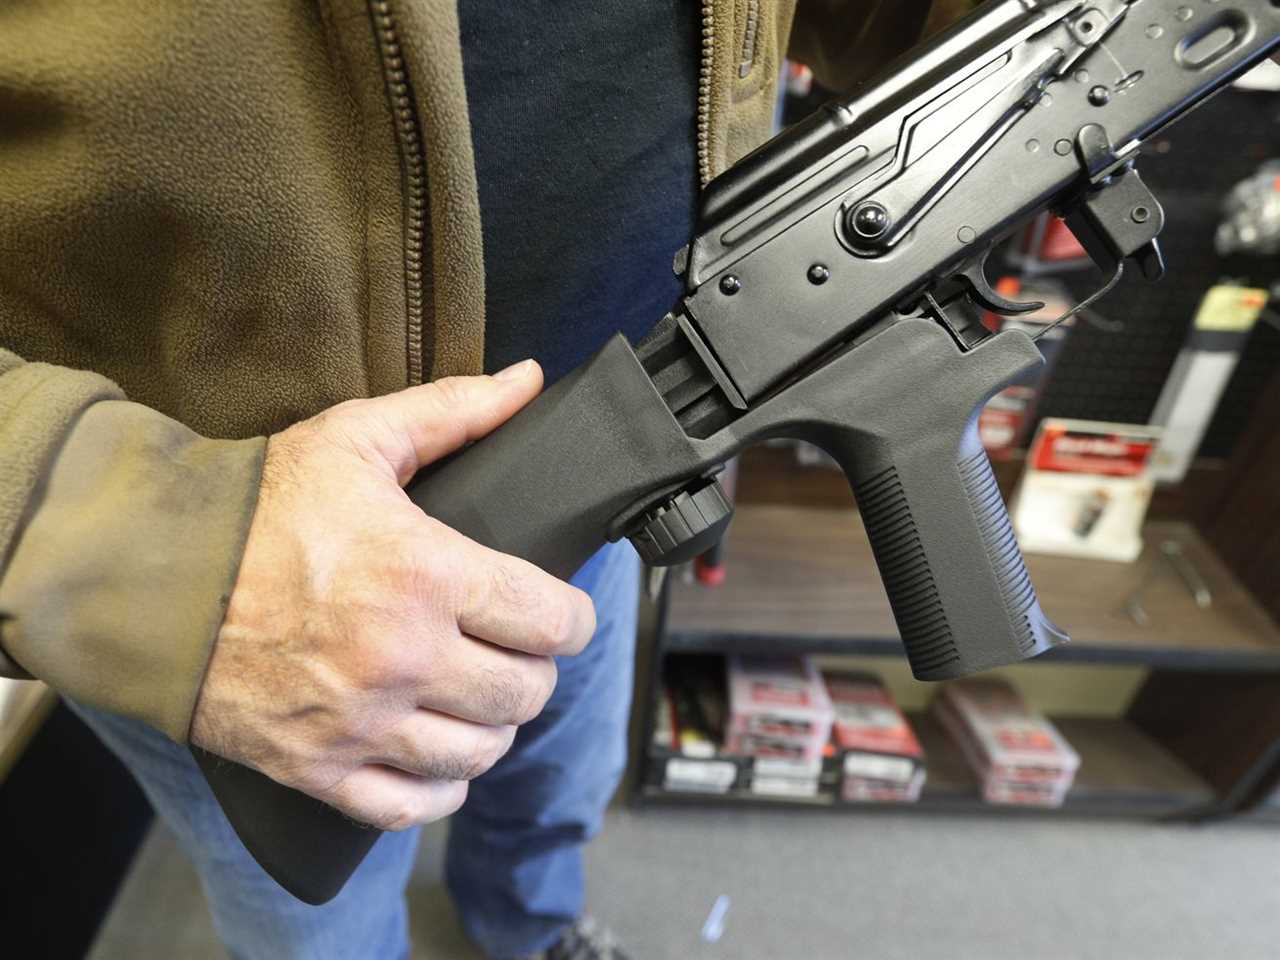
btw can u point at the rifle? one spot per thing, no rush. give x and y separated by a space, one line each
825 299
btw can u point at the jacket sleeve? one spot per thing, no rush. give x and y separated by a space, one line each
846 41
121 533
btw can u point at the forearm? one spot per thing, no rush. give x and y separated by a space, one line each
120 535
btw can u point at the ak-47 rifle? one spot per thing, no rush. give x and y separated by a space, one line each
822 301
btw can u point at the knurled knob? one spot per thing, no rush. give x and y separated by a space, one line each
683 526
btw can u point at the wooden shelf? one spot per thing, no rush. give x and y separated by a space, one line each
1123 773
802 579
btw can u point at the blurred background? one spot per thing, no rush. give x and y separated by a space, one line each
793 791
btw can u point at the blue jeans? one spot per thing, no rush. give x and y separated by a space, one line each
514 858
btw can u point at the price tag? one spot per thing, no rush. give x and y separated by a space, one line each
1230 308
784 787
873 767
710 776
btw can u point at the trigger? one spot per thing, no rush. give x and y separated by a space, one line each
974 278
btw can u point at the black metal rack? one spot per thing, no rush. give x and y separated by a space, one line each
801 580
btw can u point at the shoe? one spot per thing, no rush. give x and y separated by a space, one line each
584 939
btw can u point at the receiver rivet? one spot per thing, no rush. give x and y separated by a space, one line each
869 220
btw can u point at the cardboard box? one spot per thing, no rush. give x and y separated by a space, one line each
1017 753
881 759
778 707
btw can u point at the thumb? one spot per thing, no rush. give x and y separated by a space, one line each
423 424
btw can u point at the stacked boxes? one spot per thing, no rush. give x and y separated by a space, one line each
778 707
1018 755
778 727
780 715
880 758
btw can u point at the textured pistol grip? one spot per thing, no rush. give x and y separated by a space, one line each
956 580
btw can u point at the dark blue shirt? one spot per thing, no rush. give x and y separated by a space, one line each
583 121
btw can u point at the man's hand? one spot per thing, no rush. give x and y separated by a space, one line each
371 656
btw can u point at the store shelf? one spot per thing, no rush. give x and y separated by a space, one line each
1123 773
802 579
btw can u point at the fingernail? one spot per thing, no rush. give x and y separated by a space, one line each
517 371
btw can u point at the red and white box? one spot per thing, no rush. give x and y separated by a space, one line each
778 707
1018 755
1086 489
881 759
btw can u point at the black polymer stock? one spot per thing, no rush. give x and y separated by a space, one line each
823 302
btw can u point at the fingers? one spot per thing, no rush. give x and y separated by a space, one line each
423 771
437 418
391 799
511 602
488 684
439 747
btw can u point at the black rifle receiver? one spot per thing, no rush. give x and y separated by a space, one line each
822 302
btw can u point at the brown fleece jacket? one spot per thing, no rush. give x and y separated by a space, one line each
243 213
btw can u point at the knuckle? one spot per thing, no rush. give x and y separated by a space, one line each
557 616
537 690
340 422
342 412
545 614
406 571
507 588
409 753
548 614
365 809
450 393
507 694
549 673
487 750
399 817
313 778
579 620
589 607
372 671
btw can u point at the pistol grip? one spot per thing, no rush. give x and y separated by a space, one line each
952 568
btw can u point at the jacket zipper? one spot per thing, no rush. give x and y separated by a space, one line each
705 65
413 170
706 70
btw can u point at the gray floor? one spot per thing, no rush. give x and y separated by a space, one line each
821 885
